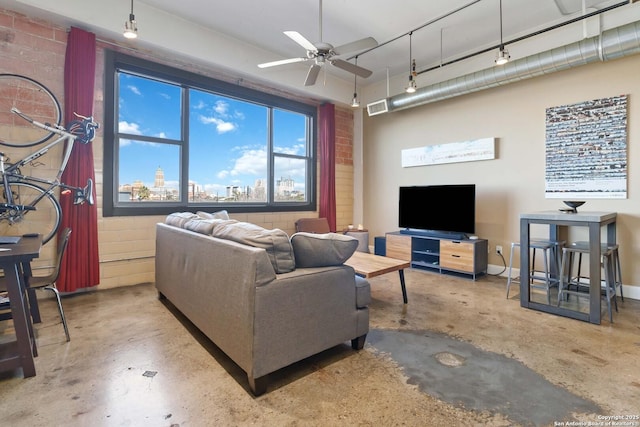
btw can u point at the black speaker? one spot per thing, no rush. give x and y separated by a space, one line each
380 245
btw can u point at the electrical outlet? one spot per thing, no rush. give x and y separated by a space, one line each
498 249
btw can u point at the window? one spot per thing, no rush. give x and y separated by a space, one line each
176 140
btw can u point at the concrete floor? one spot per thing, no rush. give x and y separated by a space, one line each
459 354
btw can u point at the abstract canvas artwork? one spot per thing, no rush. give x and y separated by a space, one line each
586 150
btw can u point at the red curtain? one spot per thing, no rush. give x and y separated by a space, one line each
80 267
327 148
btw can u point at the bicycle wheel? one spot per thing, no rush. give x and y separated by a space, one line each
32 99
44 219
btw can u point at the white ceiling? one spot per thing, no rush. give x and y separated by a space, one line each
236 35
454 27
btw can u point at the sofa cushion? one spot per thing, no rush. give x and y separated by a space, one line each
215 215
322 250
275 242
205 226
179 219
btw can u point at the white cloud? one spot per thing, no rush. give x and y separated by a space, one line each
134 89
222 126
127 127
251 162
221 108
296 149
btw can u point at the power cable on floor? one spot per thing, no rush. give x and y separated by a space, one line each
504 266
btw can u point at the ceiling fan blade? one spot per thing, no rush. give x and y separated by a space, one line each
312 75
301 40
352 68
362 44
281 62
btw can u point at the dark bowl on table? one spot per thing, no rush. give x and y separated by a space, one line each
573 204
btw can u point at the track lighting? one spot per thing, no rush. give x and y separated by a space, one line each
131 26
503 54
412 78
354 102
412 70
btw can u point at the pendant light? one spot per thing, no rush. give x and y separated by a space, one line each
412 70
354 102
131 26
503 54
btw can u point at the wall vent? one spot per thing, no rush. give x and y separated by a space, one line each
378 107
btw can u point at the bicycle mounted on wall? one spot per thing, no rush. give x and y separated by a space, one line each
30 115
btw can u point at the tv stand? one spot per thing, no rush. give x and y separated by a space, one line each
465 257
434 233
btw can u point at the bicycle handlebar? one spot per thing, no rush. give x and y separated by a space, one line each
83 130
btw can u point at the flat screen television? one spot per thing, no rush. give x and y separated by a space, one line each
439 210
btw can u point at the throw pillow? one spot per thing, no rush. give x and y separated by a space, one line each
205 226
275 242
215 215
179 219
322 250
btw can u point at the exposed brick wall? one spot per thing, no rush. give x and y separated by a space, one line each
36 49
344 167
344 136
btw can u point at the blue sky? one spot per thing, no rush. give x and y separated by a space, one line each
228 138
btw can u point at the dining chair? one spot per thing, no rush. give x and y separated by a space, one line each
313 225
46 282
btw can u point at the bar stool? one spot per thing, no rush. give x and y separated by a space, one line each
551 253
615 262
608 264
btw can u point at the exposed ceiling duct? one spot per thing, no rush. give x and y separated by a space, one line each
611 44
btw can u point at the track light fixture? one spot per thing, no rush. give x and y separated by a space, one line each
503 54
354 102
412 70
131 26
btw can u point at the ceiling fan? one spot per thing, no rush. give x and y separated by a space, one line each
322 52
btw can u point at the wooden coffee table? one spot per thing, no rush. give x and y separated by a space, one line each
369 265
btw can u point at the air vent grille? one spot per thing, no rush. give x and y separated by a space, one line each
378 107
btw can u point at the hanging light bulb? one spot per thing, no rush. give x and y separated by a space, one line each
503 54
412 70
354 102
412 78
131 26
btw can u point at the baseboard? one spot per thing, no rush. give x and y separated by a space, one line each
630 291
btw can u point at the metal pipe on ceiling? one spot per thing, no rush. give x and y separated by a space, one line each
611 44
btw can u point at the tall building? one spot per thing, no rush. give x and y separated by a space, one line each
159 183
260 189
284 186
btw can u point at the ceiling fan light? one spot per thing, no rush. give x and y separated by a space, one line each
503 56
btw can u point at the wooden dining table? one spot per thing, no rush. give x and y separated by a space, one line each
15 261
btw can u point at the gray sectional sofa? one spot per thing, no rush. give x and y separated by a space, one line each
266 300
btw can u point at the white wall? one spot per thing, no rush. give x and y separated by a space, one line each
514 181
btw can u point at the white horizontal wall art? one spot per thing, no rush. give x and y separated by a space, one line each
454 152
586 150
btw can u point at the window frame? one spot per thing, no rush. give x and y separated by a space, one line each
117 61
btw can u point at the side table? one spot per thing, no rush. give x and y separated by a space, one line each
362 236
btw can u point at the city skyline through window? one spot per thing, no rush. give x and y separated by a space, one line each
188 144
